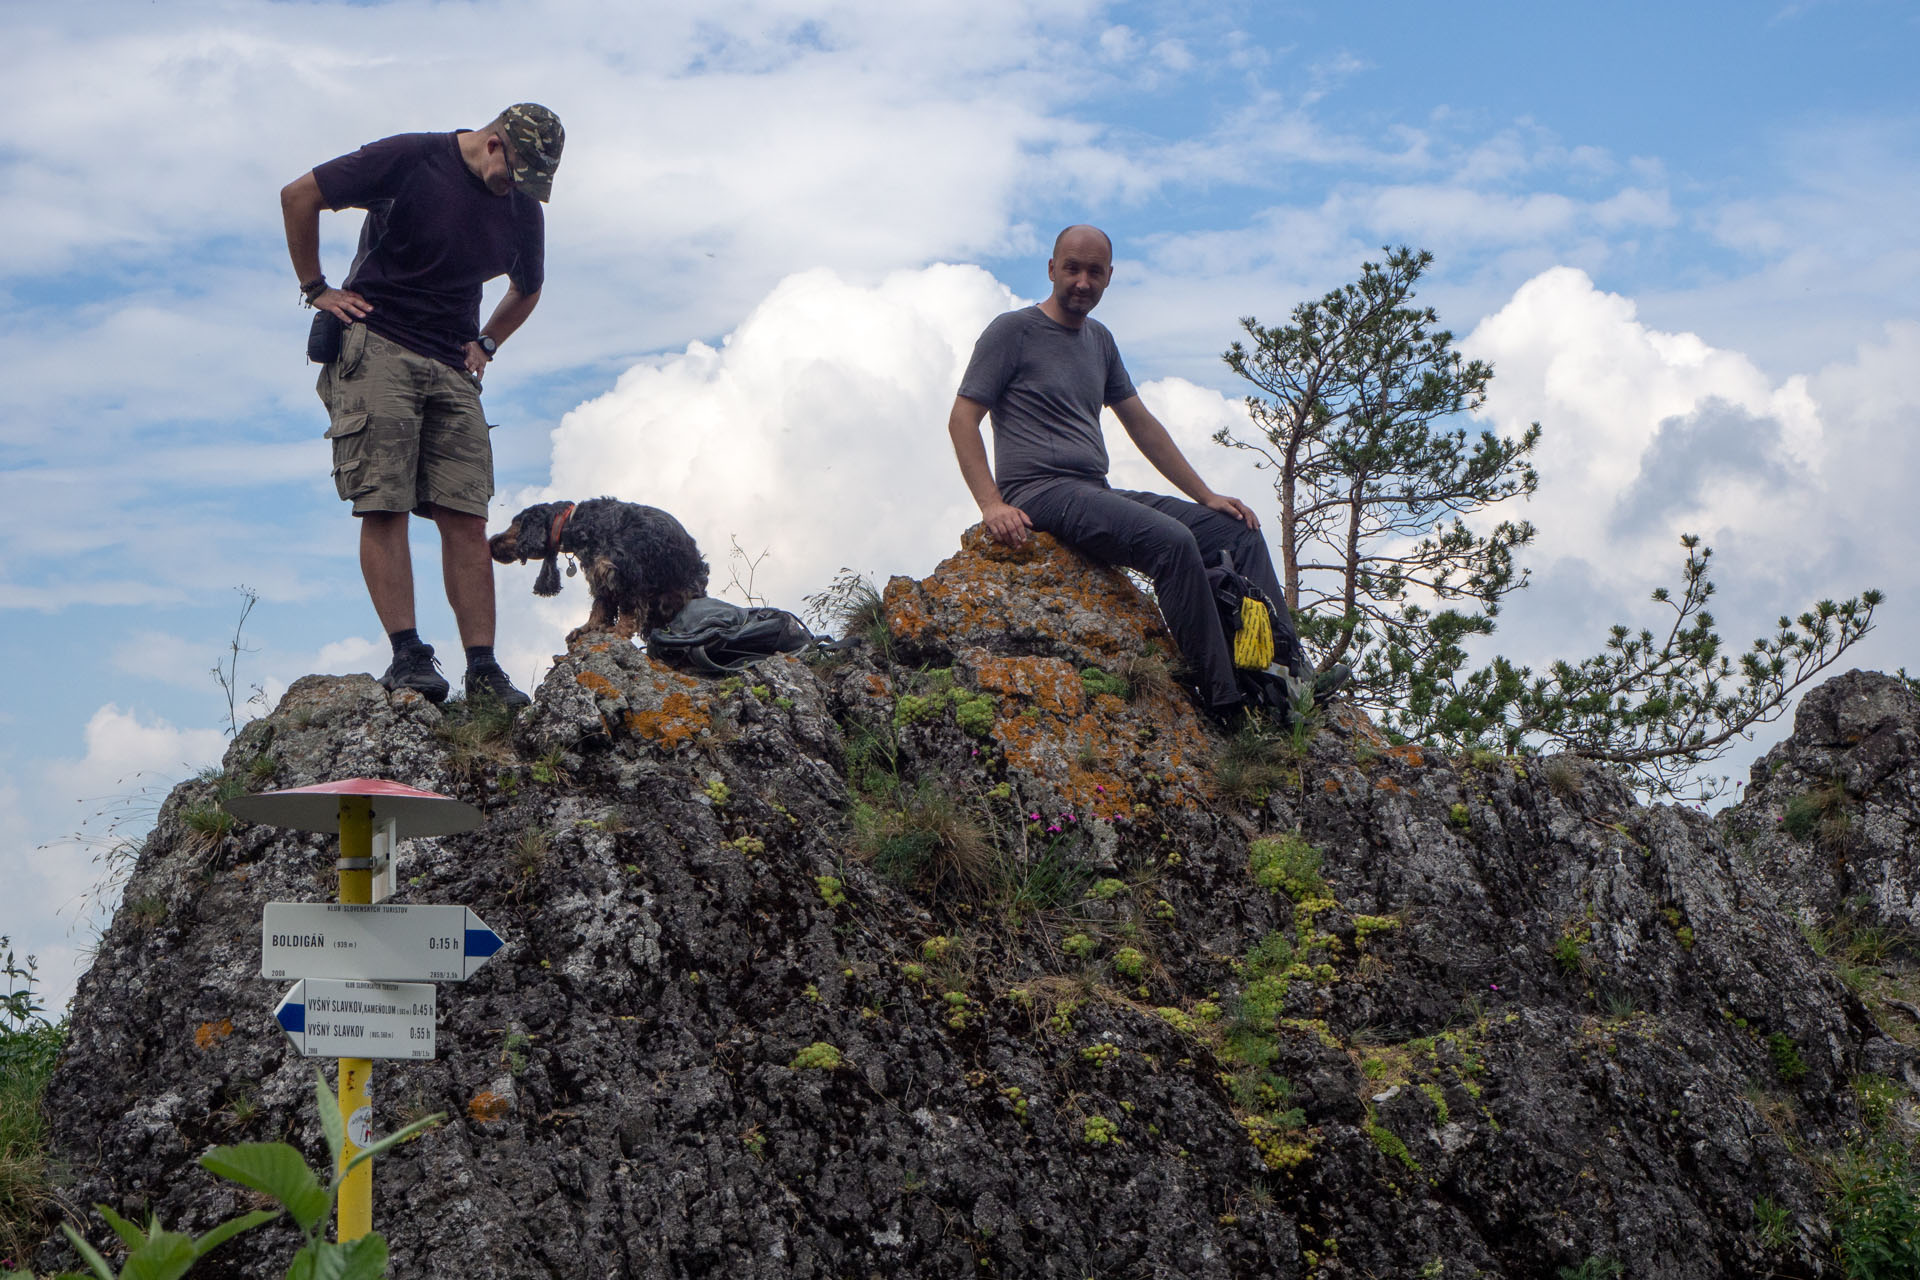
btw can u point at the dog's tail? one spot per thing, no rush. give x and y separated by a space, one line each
548 583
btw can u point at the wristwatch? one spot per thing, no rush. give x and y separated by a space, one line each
487 345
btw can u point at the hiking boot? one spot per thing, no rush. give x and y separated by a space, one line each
1330 682
418 670
488 681
1230 717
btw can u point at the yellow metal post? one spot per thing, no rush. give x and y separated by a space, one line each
355 1212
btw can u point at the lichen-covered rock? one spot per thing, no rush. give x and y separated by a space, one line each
1037 598
975 954
1832 815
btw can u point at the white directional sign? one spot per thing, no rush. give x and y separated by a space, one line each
385 942
332 1018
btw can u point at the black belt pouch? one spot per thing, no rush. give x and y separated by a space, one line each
323 340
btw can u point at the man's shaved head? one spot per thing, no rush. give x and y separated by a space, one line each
1079 227
1080 269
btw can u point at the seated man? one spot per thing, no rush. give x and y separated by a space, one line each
1044 372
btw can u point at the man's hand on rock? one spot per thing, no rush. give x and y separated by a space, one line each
1007 523
345 304
1233 507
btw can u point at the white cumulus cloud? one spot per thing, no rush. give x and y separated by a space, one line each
1637 421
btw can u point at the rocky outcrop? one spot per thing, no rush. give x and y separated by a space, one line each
973 953
1832 814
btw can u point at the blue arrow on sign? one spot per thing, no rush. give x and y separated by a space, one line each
292 1013
481 942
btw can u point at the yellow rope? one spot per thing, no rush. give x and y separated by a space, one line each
1253 643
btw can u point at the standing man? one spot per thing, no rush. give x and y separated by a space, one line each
446 212
1043 373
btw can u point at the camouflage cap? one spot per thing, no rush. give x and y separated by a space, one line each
536 137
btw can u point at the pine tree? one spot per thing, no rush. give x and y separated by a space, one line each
1358 423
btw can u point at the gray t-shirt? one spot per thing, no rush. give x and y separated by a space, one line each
1045 384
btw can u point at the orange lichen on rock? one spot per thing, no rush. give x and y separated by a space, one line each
906 614
1094 793
1388 784
677 720
1050 684
1021 625
1409 754
1041 591
975 540
208 1034
1087 761
598 685
1034 745
487 1106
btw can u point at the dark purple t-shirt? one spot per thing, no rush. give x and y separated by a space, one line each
434 235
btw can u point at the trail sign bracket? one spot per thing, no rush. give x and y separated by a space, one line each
386 859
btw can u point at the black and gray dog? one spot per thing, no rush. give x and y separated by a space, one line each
641 565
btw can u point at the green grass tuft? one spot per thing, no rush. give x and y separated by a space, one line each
924 839
1271 955
1787 1063
1775 1223
1820 814
1253 764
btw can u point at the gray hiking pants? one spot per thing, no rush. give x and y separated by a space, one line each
1170 540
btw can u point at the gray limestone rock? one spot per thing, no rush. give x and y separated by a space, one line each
754 1019
1832 815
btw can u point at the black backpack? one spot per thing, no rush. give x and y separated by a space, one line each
714 637
1271 687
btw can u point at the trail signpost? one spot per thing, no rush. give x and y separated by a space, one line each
328 1018
359 961
383 941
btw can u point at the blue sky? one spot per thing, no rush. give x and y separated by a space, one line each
1683 234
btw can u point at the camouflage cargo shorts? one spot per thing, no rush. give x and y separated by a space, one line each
408 432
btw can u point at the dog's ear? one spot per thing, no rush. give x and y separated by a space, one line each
548 583
531 544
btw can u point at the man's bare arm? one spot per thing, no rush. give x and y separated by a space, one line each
300 206
510 314
1007 523
1159 449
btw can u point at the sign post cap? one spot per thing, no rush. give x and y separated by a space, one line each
317 808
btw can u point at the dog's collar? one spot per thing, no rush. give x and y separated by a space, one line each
559 525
